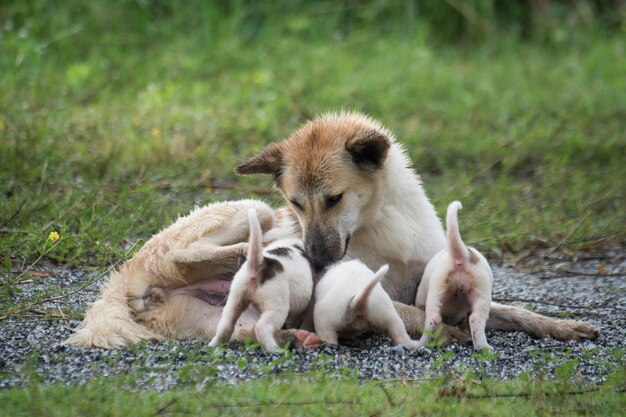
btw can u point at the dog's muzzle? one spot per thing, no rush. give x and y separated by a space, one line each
319 258
324 250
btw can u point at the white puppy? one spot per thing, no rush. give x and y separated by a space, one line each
349 299
456 282
277 281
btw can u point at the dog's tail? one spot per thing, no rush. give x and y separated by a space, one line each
109 322
358 305
458 251
255 248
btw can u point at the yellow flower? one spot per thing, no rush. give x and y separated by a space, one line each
53 236
155 132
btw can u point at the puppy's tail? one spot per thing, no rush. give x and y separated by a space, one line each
255 248
358 305
109 322
456 247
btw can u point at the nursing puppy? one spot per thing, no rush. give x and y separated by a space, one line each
456 282
350 300
277 281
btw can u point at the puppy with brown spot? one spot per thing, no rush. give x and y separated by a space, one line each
350 300
457 281
277 282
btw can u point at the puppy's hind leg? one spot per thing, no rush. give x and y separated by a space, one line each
327 334
433 320
269 322
477 323
386 319
433 315
235 305
398 334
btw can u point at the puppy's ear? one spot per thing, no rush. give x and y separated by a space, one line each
268 161
369 149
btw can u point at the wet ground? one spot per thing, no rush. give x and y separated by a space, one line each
593 289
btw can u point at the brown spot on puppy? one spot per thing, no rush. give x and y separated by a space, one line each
280 251
269 269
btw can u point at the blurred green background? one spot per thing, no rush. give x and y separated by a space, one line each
117 116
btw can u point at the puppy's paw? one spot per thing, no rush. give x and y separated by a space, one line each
421 345
398 349
273 349
486 347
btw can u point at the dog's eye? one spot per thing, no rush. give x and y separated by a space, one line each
333 200
296 205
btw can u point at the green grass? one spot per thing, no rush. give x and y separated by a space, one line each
107 133
320 394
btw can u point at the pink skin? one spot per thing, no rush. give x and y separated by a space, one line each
210 286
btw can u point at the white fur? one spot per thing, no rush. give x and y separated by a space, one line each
456 282
403 232
344 284
283 295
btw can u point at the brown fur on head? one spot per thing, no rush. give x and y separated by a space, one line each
329 172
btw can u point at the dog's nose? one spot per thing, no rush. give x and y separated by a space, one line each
319 257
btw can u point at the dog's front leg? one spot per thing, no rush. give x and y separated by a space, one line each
413 318
503 317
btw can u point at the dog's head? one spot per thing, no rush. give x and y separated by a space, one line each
329 171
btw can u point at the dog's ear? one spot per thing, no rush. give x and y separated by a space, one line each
369 149
268 161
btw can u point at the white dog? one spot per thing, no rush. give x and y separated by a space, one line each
457 281
277 281
350 299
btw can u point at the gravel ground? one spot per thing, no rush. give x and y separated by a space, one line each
592 289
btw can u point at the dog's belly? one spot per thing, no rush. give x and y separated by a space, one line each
215 286
211 291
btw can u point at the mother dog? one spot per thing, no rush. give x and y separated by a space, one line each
351 193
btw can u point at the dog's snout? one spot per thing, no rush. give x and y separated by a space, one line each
323 246
319 257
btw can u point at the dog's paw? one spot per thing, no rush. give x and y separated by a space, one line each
573 330
299 339
452 334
